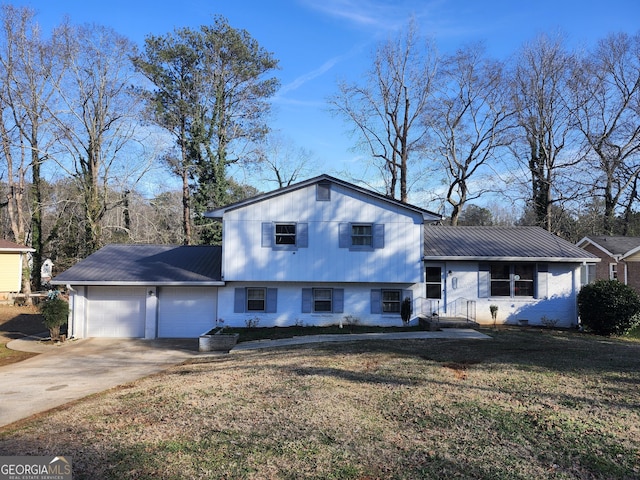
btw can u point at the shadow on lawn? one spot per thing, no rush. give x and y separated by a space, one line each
561 351
22 325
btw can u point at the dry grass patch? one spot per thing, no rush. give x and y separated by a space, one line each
523 405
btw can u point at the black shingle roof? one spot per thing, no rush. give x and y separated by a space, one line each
147 264
499 243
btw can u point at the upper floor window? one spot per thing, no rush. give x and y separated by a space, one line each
361 235
285 233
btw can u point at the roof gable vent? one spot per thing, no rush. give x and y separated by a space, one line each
323 191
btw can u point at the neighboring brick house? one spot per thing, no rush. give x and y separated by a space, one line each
620 259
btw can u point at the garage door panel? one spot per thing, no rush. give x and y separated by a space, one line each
117 312
186 312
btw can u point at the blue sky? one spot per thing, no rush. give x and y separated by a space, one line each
319 42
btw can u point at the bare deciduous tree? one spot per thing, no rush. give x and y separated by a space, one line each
607 92
99 120
544 119
281 162
469 121
30 65
386 111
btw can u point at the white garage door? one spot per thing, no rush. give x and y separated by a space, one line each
116 312
186 312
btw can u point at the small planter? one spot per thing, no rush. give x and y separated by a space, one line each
217 342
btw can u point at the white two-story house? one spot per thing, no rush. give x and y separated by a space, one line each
317 252
324 251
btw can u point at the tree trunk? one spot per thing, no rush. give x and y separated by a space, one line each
36 215
186 208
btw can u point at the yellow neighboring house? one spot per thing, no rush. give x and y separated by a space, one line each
11 266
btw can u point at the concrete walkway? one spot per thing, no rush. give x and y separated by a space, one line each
78 368
451 333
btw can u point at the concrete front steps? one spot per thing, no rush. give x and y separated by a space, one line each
435 322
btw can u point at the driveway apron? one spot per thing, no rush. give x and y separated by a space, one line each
80 368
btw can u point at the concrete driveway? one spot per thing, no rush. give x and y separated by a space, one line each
78 368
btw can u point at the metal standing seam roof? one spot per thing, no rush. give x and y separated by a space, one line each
500 243
126 264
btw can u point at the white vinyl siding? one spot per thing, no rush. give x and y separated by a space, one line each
252 256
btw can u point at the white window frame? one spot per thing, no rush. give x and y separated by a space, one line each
613 271
433 283
513 280
362 239
251 292
391 305
319 297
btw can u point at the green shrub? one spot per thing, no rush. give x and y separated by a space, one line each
55 312
608 307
